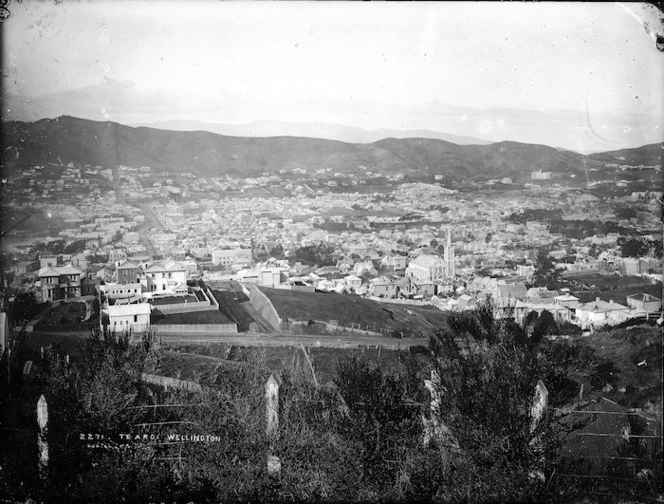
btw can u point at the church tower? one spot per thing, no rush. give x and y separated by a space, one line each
449 255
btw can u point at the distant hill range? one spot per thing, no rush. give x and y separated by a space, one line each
68 139
326 131
647 155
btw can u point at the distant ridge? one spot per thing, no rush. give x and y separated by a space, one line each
69 139
320 130
649 155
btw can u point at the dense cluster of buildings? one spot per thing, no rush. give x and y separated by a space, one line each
408 241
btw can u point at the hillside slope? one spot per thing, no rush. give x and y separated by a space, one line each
68 139
649 155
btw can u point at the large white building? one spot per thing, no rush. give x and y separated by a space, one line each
428 267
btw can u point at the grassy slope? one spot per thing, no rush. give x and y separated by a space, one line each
626 348
349 309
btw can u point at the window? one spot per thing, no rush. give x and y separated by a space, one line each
135 318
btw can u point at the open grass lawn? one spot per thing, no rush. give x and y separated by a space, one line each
349 309
174 300
203 317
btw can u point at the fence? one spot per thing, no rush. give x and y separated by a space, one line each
613 476
412 302
198 306
195 328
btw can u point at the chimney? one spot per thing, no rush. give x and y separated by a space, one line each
610 301
597 299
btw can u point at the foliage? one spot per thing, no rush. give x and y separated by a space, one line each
75 247
488 370
542 324
277 251
580 229
633 247
357 438
534 214
24 307
320 255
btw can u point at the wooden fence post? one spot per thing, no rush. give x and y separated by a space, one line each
537 412
272 427
42 442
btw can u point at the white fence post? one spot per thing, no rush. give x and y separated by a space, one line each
537 412
42 443
272 427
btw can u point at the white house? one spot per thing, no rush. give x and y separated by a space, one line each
166 277
599 313
352 281
131 317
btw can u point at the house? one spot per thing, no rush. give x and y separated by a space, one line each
361 268
630 266
127 272
382 287
567 300
89 285
191 265
466 302
560 313
121 291
60 282
124 318
352 282
396 262
272 277
328 271
643 301
444 287
229 257
47 260
165 277
599 313
116 254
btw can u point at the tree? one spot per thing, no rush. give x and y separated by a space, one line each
277 251
487 373
24 307
632 247
75 247
320 255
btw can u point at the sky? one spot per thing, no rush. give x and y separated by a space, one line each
583 76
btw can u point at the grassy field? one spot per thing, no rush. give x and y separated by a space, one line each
348 309
174 300
203 317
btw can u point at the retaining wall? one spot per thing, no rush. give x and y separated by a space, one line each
263 306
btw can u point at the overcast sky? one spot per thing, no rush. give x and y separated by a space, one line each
582 76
